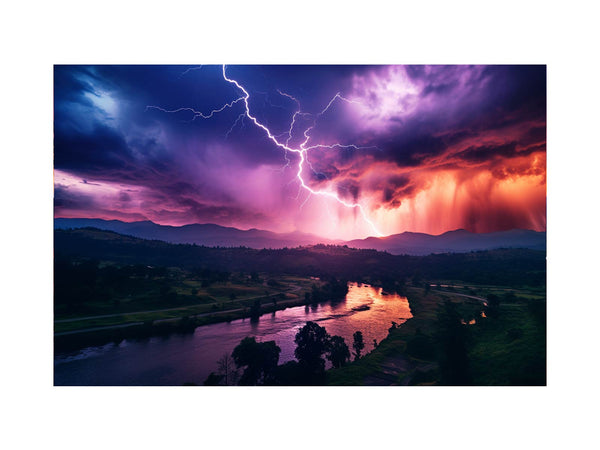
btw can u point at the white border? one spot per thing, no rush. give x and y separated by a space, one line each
37 35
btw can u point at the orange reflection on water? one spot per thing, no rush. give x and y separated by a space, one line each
373 312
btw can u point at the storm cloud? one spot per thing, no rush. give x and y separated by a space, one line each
419 148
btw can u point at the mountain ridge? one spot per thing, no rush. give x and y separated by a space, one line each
409 243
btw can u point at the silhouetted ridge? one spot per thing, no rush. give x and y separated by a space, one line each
410 243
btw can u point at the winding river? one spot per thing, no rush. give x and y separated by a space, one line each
181 358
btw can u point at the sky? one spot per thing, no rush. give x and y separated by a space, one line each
342 152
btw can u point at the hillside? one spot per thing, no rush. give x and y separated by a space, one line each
407 243
507 266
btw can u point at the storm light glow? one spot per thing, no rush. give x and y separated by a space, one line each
339 151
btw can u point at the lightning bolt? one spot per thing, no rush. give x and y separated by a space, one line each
240 117
197 113
301 150
189 70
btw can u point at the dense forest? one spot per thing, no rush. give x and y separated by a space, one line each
98 271
516 267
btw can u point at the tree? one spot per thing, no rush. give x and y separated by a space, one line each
259 359
493 306
213 380
226 368
338 352
452 342
255 309
420 346
312 341
358 344
289 374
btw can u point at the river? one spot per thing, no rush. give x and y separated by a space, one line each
179 358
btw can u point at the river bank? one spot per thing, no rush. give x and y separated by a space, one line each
507 349
70 341
189 357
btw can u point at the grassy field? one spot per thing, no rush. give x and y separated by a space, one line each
511 349
507 349
191 299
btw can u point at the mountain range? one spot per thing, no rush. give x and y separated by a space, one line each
211 235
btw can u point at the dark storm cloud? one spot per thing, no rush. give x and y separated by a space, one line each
349 189
516 87
409 150
220 213
141 126
101 149
68 86
534 135
487 153
513 95
68 199
396 188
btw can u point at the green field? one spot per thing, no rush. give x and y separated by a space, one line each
145 303
507 349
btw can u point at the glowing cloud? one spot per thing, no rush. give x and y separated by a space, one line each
342 151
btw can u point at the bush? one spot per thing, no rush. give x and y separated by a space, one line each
421 346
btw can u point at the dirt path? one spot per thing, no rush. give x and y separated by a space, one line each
481 299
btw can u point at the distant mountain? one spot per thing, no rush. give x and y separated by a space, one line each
211 235
457 241
508 267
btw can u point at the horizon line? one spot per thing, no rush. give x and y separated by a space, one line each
297 231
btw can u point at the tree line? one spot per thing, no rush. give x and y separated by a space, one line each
257 363
510 267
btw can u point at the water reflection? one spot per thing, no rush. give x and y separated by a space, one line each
177 359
